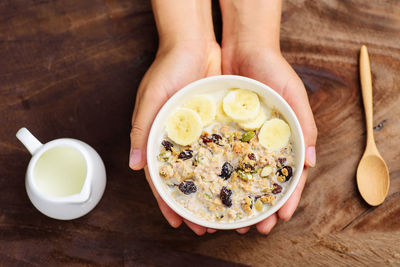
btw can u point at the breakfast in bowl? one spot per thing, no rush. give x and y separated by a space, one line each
226 156
225 152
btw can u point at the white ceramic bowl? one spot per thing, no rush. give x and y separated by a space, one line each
210 84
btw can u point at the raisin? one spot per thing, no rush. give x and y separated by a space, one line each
277 189
286 172
188 187
216 138
251 156
186 154
226 171
282 161
167 145
225 196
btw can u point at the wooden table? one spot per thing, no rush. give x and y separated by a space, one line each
71 69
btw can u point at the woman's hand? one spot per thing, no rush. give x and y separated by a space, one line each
271 68
187 52
250 48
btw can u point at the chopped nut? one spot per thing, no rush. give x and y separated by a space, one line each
239 147
270 199
246 164
166 171
281 178
258 205
234 177
247 204
189 176
284 174
267 190
226 130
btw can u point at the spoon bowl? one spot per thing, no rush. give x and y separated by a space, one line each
372 179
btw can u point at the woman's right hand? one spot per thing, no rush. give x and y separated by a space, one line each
173 68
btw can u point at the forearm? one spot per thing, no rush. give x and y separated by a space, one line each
180 21
254 22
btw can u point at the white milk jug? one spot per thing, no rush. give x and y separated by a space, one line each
65 178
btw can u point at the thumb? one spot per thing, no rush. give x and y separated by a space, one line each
148 103
301 107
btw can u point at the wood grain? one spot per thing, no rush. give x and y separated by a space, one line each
71 69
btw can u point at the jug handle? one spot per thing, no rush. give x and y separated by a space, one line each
28 140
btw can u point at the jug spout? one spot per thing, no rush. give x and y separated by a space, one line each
83 196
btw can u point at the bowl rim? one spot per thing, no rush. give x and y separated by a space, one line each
186 214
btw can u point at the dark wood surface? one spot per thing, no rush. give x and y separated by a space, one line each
71 69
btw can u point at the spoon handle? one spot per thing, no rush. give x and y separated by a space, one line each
366 88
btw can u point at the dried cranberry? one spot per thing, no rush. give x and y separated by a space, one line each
206 139
277 189
225 196
286 172
226 171
167 145
251 156
216 138
186 154
188 187
248 166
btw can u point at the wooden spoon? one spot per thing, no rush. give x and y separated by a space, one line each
372 172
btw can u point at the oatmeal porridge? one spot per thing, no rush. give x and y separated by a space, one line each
226 160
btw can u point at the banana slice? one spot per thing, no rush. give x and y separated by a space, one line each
241 105
255 123
274 134
204 106
220 116
184 126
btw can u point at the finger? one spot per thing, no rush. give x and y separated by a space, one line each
265 226
287 210
171 216
214 61
211 231
197 229
173 219
147 105
298 100
243 230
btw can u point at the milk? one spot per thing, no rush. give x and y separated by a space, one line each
60 171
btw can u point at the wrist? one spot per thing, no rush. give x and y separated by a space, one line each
194 47
183 21
251 24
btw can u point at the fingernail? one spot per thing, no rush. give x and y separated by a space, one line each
310 156
135 158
